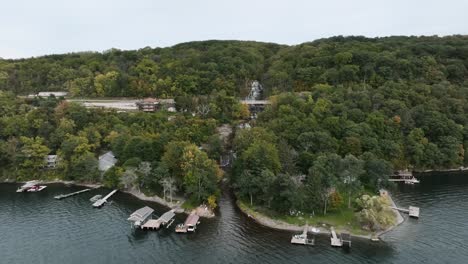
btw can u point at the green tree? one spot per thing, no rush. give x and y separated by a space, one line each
32 153
375 212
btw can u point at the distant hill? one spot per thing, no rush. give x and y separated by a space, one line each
204 67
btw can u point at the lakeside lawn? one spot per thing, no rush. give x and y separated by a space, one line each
342 220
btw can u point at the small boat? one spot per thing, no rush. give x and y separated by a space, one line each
315 230
31 186
95 198
302 239
37 188
190 224
413 180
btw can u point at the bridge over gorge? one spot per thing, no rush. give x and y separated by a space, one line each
256 106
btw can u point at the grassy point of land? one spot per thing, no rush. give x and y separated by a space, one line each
342 220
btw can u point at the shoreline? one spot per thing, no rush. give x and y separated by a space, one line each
400 218
461 169
281 225
200 211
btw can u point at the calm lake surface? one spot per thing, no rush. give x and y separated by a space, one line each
35 228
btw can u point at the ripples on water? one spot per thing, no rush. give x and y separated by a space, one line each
35 228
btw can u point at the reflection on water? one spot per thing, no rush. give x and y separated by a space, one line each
35 228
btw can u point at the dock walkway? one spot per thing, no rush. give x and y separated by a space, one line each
303 238
102 201
165 220
63 196
335 241
412 211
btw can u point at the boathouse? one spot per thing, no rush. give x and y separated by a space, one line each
189 225
346 240
165 220
140 216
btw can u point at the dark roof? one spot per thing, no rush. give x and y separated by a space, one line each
345 237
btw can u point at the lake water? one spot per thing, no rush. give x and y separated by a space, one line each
35 228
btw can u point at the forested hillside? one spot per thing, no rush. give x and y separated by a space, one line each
155 152
345 112
197 68
203 67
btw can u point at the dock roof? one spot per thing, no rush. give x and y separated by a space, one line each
167 216
191 220
345 237
141 214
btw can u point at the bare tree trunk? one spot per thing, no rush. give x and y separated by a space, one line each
349 200
325 207
251 200
199 187
170 193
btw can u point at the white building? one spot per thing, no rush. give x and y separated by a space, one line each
107 161
49 94
51 161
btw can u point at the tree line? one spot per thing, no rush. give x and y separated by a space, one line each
156 152
345 113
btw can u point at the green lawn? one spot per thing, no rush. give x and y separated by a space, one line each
341 220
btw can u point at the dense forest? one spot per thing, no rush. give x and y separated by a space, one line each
345 112
157 153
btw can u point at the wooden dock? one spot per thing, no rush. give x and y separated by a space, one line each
413 211
335 241
302 239
63 196
102 201
165 220
152 224
343 240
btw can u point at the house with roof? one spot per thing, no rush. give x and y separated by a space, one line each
148 105
51 161
50 94
107 161
154 104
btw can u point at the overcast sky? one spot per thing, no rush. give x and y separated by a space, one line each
38 27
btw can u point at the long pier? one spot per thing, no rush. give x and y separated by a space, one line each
63 196
102 201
